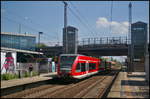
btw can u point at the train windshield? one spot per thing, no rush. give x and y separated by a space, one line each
66 62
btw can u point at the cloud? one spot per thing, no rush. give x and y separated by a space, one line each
116 27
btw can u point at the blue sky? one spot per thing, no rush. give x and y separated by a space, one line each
47 16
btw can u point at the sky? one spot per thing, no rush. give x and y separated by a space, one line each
48 17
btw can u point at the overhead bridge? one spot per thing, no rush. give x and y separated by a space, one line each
112 46
104 50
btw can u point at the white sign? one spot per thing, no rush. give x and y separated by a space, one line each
49 59
137 60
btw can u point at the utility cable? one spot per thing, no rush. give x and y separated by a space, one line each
111 16
85 25
35 23
25 26
90 26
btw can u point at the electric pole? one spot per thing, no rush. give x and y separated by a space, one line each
39 52
130 43
39 38
20 28
65 27
111 14
19 37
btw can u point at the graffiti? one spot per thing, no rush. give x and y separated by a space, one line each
9 63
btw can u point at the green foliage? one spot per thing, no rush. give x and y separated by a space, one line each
41 45
34 74
8 76
103 58
118 64
26 74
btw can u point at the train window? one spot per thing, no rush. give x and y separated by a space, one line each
103 64
67 61
109 65
83 67
78 68
92 66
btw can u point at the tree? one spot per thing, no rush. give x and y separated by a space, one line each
41 45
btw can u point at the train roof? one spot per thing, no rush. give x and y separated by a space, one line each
77 55
71 55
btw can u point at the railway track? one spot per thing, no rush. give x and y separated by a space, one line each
93 87
69 91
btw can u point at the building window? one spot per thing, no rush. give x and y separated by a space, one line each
138 28
70 32
17 42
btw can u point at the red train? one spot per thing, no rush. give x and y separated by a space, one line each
80 66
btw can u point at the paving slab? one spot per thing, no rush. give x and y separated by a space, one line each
22 81
130 86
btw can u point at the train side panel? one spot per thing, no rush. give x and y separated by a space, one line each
84 67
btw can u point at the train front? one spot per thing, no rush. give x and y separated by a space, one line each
65 66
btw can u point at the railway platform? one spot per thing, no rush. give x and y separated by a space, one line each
129 86
28 80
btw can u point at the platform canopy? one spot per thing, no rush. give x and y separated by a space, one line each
18 50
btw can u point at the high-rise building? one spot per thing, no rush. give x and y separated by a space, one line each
138 44
70 45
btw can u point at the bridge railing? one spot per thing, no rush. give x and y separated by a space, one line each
104 40
97 41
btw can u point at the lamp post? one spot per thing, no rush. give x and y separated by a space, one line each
39 39
39 52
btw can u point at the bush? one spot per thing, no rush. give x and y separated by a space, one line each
34 73
26 74
8 76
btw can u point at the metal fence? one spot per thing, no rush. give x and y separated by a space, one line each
97 41
103 40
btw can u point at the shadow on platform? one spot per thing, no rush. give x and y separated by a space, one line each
141 76
143 94
133 83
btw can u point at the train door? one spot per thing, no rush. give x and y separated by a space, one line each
102 65
87 67
105 64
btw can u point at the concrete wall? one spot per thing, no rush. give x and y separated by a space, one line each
24 67
138 67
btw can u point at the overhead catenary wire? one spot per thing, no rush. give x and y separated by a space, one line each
79 19
35 23
111 12
85 19
32 29
45 36
14 21
28 19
